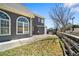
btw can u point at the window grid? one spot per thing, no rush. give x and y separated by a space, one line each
24 24
19 27
26 27
5 28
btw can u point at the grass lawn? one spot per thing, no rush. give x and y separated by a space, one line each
47 47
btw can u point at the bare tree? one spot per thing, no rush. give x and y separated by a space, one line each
61 15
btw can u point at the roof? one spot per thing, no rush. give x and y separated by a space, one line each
16 8
39 16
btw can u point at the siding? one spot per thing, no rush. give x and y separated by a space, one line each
13 28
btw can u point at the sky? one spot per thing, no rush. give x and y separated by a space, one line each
43 9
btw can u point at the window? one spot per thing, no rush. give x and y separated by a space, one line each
26 28
22 25
4 23
42 21
39 20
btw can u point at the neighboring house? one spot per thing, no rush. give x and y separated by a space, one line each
38 25
51 31
17 22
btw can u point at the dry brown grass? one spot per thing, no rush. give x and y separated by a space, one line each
48 47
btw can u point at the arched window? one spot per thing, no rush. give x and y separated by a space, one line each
22 25
5 23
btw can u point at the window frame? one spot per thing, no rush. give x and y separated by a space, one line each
9 23
22 25
39 20
42 21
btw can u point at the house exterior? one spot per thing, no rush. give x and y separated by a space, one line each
51 31
17 22
38 25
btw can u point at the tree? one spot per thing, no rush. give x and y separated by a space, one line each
61 15
75 26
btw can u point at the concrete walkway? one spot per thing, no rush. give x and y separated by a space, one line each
19 42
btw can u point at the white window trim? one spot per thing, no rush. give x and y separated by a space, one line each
23 26
42 21
9 24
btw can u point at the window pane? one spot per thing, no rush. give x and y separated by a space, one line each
4 30
20 27
7 23
38 19
26 28
23 20
3 23
3 16
4 27
42 21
